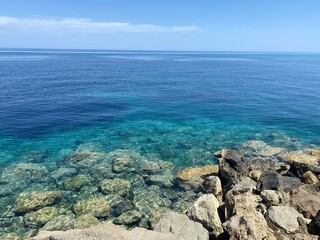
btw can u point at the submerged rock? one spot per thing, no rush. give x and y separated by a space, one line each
97 207
115 186
10 236
83 158
128 218
192 178
85 221
205 211
122 163
41 217
31 201
76 182
60 223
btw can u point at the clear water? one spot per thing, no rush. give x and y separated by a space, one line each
178 106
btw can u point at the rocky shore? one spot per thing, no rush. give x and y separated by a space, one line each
256 192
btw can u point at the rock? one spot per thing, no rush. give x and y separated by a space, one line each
10 236
212 184
63 172
274 198
31 201
309 178
301 162
258 147
284 217
162 180
205 211
60 223
192 178
25 173
275 181
118 204
85 221
76 182
306 203
245 185
122 163
314 226
83 158
255 175
128 218
155 217
147 167
107 231
181 226
313 152
98 207
115 186
41 217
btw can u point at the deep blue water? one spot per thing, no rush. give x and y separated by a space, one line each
179 106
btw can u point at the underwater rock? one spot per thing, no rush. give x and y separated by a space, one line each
284 217
257 147
60 223
122 163
41 217
192 178
76 182
97 206
83 158
118 204
6 190
180 225
25 173
155 217
205 211
163 180
147 167
10 236
31 201
85 221
128 218
115 186
63 172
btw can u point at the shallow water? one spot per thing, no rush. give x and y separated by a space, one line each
180 106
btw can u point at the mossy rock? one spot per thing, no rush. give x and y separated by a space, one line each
41 217
76 182
32 201
98 207
128 218
85 221
115 186
10 236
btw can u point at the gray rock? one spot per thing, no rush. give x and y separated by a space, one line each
180 225
212 184
275 198
275 181
205 211
284 217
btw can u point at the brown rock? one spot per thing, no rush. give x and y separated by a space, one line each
309 178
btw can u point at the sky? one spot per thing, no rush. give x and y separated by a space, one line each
174 25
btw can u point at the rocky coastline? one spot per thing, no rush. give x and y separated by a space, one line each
255 192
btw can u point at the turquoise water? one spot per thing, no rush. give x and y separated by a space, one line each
177 106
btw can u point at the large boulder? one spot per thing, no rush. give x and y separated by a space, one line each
306 203
205 211
275 181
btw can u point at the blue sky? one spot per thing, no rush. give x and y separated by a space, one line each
207 25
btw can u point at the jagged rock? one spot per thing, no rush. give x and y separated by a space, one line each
115 186
128 218
284 217
192 178
309 178
205 211
31 201
274 198
275 181
181 226
212 184
76 182
98 207
60 223
314 227
85 221
41 217
306 203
